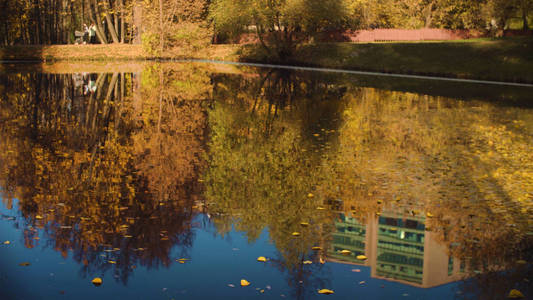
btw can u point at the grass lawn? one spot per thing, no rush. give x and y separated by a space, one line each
509 59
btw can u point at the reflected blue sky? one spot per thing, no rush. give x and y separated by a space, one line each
215 263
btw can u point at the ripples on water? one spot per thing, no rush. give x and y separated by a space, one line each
170 182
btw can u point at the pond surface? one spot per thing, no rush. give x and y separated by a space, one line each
171 181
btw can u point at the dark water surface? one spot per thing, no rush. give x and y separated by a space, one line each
170 183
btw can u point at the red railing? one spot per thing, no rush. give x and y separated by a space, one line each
384 35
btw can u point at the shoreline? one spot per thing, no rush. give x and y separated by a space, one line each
500 61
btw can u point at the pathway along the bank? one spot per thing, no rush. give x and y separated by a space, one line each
438 78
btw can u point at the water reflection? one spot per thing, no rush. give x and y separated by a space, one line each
397 248
106 178
113 168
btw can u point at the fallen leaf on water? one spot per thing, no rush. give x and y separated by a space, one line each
262 291
24 264
231 285
316 248
307 262
429 215
521 262
261 259
362 282
321 260
7 242
326 291
361 257
515 294
320 208
97 281
182 260
310 195
305 224
38 217
245 282
356 270
295 233
111 261
345 252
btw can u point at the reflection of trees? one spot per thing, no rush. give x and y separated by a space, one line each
263 165
98 174
466 163
276 138
494 285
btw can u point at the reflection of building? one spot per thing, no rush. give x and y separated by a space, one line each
397 248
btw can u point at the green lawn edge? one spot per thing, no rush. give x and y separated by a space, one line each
509 59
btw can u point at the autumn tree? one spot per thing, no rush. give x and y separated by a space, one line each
279 25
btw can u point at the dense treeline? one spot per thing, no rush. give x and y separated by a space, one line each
451 14
55 21
163 25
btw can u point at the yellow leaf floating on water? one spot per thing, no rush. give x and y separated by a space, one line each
321 260
304 224
295 234
7 242
320 208
97 281
361 257
326 292
111 261
345 252
316 248
515 294
429 215
24 264
182 260
310 195
307 262
38 217
261 259
245 282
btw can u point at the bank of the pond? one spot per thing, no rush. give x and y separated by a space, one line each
508 59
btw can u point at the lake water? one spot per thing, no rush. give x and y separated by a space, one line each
169 181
